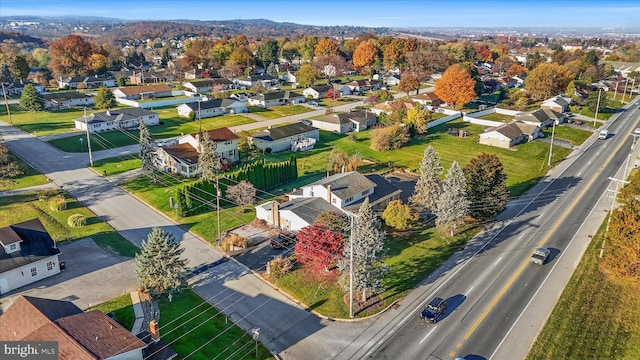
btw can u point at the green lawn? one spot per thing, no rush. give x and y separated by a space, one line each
573 135
595 318
41 123
30 177
18 208
339 101
198 331
498 117
171 125
120 308
275 112
117 165
524 166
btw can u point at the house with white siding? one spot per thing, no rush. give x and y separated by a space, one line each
276 98
342 123
208 85
67 99
316 92
286 137
124 118
143 92
509 135
211 108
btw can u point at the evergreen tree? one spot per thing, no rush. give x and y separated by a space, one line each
272 70
104 98
592 101
368 250
429 185
30 99
453 204
147 150
158 265
208 160
486 186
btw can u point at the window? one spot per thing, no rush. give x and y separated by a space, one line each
364 192
34 271
13 247
333 200
231 152
50 266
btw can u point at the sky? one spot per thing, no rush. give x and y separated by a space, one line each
371 13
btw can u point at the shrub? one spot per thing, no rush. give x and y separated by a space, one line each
279 266
390 138
58 203
353 137
233 241
77 220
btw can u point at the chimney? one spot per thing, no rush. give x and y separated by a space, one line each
275 214
154 329
329 194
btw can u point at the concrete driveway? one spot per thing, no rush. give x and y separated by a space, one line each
92 276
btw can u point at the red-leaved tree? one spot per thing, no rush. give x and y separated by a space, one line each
318 247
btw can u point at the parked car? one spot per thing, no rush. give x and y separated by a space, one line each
312 103
284 239
540 256
636 131
434 311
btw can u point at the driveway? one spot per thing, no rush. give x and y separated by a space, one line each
92 276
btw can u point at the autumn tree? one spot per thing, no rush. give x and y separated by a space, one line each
389 138
104 98
70 55
429 185
546 80
9 168
307 75
409 83
394 53
30 99
367 243
289 51
365 55
398 215
241 56
336 221
41 56
159 265
417 120
484 53
326 47
453 204
571 90
243 194
208 159
14 66
456 87
98 63
318 247
516 70
486 186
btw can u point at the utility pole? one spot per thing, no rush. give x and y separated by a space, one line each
613 203
615 93
352 238
88 138
218 205
6 103
626 82
597 107
199 119
553 131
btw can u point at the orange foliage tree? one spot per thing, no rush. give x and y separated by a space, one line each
516 70
408 82
365 55
70 55
546 80
327 47
483 53
456 87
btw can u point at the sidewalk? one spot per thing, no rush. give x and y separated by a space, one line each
49 186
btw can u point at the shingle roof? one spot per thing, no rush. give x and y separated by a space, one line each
222 134
184 152
276 95
307 209
431 96
321 88
515 129
210 82
384 188
211 104
345 185
117 115
36 244
282 132
65 95
155 350
131 90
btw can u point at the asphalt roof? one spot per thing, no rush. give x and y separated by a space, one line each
281 132
36 244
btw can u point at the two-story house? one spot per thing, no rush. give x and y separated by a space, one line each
182 158
124 118
340 192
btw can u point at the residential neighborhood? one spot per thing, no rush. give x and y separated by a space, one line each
252 189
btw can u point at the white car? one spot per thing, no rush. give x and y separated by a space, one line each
636 131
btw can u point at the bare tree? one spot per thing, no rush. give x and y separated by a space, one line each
243 193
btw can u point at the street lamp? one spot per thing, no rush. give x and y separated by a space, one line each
256 334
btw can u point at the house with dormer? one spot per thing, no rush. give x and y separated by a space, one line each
79 335
182 158
27 254
339 192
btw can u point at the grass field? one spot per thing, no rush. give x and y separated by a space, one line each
573 135
524 165
117 165
120 308
275 112
595 318
30 177
41 123
498 117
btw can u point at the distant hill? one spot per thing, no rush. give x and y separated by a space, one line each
23 41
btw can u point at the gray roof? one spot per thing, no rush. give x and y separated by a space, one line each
384 188
321 88
61 96
276 95
307 209
36 244
346 185
117 115
540 116
282 132
514 129
211 104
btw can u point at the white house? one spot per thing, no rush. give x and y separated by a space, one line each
28 254
65 100
509 135
212 107
342 123
182 158
557 103
359 86
276 98
541 117
125 118
281 138
316 92
15 88
208 85
339 192
143 92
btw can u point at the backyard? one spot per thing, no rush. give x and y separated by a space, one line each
275 112
575 136
498 117
30 177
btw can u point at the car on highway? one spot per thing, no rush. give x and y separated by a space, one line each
434 311
540 256
284 239
603 134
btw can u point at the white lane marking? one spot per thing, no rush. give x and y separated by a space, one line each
520 237
540 214
497 261
468 291
426 336
579 173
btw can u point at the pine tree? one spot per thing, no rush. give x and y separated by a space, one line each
368 251
208 160
104 98
429 185
30 99
453 204
486 186
158 265
147 150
